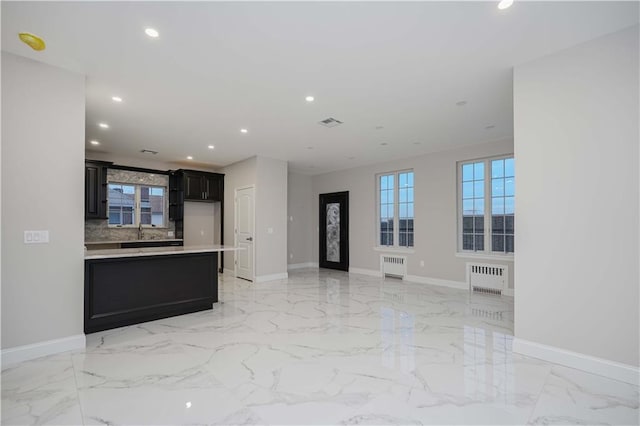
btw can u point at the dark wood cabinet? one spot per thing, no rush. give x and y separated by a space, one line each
130 290
202 186
95 189
194 185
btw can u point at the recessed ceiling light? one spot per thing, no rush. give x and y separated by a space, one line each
211 147
505 4
189 157
244 131
94 143
103 125
461 103
151 32
116 99
309 99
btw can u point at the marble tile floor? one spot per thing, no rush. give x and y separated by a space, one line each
322 347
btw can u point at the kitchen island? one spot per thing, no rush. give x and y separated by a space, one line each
134 285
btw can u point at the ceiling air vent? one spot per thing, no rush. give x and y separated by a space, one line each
330 122
148 151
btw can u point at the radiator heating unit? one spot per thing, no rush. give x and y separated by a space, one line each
394 266
487 278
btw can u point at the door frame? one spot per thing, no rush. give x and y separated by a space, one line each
235 230
344 231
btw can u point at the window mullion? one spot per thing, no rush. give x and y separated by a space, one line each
137 207
487 206
396 210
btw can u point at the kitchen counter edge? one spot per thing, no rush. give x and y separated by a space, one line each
154 251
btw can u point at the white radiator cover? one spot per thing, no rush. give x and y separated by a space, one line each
487 278
393 265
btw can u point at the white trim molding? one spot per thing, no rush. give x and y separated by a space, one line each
511 292
437 281
495 257
302 265
394 250
36 350
600 366
272 277
362 271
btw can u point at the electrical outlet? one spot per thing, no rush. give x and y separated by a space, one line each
170 234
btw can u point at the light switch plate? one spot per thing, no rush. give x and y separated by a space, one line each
36 237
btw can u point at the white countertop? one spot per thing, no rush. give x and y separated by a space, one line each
154 251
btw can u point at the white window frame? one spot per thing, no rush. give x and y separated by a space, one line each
137 209
488 232
396 213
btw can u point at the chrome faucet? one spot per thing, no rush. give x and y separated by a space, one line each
140 231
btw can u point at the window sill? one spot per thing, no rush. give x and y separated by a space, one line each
485 256
390 249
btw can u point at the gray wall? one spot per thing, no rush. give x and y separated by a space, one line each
303 218
576 144
271 213
435 211
199 223
43 111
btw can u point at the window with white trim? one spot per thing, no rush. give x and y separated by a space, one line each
135 205
486 219
395 209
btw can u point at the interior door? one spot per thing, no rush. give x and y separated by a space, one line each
334 230
244 232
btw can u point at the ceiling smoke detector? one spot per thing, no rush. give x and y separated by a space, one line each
330 122
148 151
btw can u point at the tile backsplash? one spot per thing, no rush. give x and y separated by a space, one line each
96 230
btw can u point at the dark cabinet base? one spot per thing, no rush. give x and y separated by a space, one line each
125 291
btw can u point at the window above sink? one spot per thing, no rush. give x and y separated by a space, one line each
131 205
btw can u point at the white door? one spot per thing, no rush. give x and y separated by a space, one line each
244 233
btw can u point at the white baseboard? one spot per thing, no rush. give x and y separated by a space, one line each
272 277
600 366
511 292
437 281
36 350
302 265
362 271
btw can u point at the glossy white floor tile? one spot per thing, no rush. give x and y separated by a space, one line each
319 348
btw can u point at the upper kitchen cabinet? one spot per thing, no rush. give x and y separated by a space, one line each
202 186
95 187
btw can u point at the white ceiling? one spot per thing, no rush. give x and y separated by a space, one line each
219 67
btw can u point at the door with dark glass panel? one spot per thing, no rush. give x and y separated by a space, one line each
334 230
